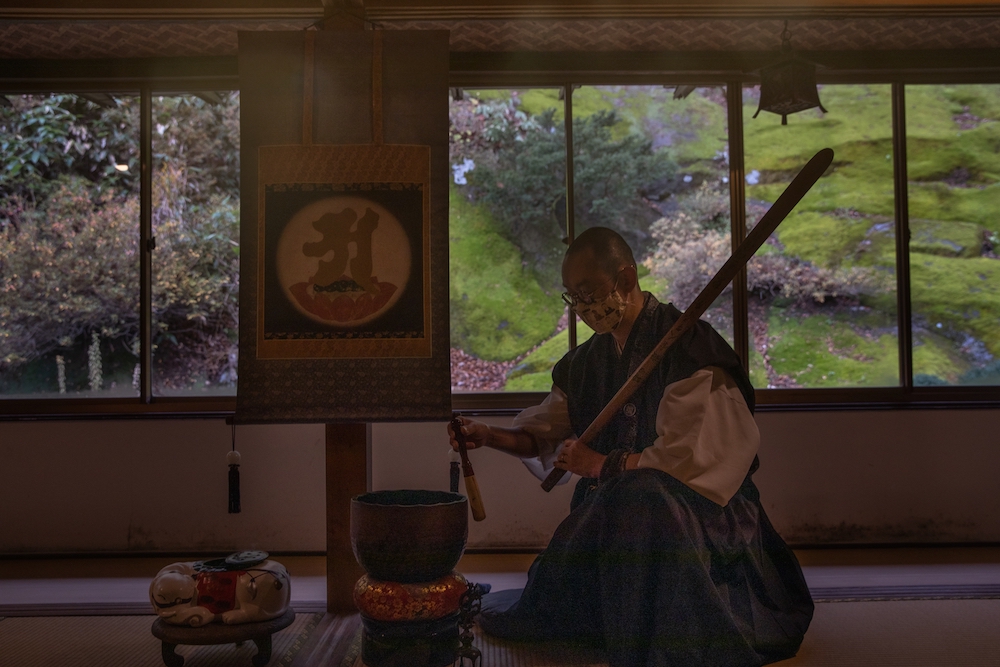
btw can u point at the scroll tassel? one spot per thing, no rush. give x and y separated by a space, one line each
233 459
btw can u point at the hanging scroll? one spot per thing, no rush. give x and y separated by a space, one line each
344 227
343 267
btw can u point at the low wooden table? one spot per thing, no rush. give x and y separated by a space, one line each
219 633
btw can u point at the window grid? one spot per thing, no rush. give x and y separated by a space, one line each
738 216
146 242
902 220
905 395
567 95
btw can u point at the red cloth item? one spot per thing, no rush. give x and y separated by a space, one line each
217 590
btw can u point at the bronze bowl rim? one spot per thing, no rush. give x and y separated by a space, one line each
452 498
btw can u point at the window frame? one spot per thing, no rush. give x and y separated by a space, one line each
734 70
142 78
149 76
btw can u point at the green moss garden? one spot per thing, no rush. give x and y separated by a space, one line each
654 166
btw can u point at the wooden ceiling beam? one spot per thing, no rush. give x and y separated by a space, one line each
490 69
455 10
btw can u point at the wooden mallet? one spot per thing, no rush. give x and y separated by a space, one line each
795 191
471 487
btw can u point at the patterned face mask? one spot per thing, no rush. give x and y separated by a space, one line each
604 315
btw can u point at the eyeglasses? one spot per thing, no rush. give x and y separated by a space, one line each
586 299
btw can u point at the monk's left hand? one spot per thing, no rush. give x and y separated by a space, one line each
578 458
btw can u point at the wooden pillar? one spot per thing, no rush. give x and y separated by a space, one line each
346 477
346 449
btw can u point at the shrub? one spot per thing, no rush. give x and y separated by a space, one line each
196 280
45 137
985 375
70 269
689 252
771 275
519 174
204 140
69 232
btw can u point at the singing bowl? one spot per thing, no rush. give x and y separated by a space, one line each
409 536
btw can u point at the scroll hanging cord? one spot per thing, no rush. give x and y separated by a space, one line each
377 137
308 68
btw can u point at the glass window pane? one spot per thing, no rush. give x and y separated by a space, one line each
69 233
506 223
196 217
652 163
953 169
822 307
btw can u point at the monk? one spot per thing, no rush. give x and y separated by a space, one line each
667 556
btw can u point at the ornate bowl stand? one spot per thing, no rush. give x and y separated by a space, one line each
218 633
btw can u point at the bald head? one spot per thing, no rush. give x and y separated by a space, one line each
604 247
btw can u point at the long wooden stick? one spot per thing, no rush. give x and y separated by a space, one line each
797 189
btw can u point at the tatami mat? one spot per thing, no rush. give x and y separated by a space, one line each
910 633
905 633
126 641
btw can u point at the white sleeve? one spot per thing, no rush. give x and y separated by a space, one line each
707 435
549 423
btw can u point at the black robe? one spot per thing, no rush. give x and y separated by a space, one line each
652 570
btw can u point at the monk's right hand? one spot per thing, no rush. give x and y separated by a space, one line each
477 434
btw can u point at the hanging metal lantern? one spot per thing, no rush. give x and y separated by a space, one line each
788 86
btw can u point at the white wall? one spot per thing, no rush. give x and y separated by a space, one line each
902 475
160 485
